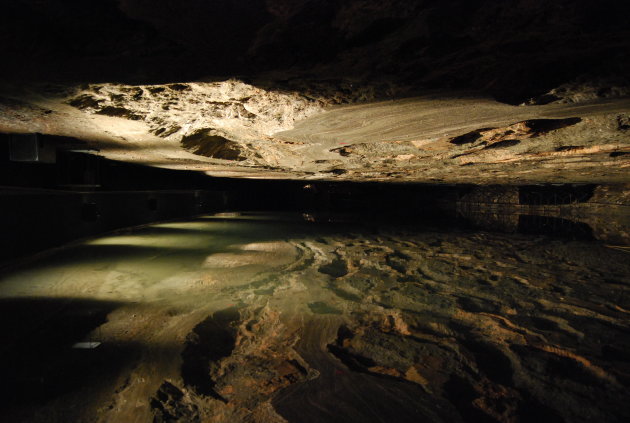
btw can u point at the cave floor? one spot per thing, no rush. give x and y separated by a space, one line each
246 317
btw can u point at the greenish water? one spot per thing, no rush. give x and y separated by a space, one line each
428 323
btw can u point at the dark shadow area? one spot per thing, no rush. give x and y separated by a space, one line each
535 127
554 227
204 143
454 44
554 194
530 224
37 360
359 198
33 221
77 167
210 341
462 394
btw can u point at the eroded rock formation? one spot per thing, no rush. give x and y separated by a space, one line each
231 128
252 88
267 324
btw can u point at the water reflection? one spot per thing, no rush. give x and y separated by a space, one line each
254 317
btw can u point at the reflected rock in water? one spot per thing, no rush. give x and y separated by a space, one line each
573 212
338 323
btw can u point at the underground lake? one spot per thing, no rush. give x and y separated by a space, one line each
318 317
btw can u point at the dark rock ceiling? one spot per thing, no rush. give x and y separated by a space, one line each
328 51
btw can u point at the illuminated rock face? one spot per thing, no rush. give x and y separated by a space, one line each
231 128
252 88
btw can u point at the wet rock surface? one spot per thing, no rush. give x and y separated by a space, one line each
342 323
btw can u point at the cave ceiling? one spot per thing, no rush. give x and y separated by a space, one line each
456 91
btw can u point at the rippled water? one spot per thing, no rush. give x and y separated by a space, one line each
270 318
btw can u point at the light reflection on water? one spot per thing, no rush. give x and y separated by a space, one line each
151 255
430 324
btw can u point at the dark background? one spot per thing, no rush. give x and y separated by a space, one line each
512 49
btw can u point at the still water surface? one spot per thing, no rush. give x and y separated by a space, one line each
270 318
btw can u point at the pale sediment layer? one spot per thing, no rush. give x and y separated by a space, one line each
230 128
